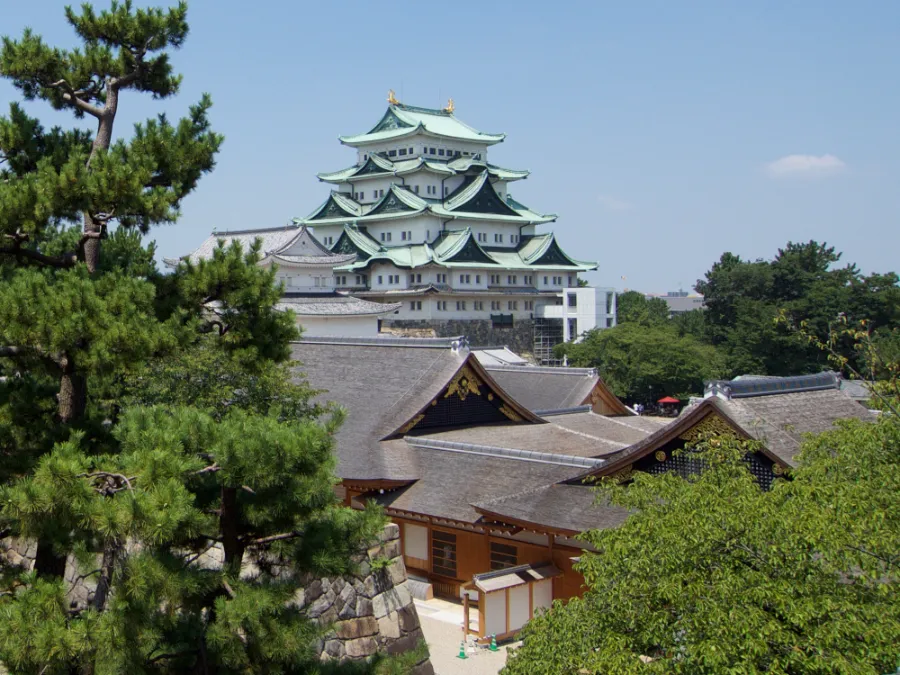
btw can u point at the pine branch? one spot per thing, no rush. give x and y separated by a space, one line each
275 537
70 95
61 262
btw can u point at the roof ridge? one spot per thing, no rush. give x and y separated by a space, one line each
283 228
371 341
505 453
545 370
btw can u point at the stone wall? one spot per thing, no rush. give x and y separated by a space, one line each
518 337
368 612
371 611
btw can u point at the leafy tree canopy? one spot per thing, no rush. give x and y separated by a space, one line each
714 575
643 362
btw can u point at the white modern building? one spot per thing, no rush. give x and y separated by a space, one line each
432 224
679 302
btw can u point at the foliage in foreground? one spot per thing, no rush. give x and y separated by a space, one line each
714 575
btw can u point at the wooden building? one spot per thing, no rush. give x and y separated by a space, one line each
439 443
480 482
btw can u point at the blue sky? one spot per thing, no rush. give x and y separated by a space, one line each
662 133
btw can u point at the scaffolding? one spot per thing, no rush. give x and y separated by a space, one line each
547 333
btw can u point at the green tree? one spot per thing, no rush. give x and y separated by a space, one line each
743 298
177 484
642 363
635 307
713 574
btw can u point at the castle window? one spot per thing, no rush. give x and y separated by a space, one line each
503 556
478 305
416 189
441 152
380 279
460 305
402 151
477 278
392 153
415 305
432 151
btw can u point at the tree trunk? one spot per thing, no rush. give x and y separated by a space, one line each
107 569
90 248
72 395
228 525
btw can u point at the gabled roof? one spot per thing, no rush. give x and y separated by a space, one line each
477 195
778 421
543 249
356 240
377 165
292 245
392 385
400 121
337 206
467 164
460 247
545 388
454 248
397 200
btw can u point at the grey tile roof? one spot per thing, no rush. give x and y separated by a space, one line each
780 421
273 239
583 434
546 388
563 507
450 483
381 387
341 305
498 356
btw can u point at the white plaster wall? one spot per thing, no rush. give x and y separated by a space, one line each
415 541
495 613
421 145
490 228
519 602
353 326
542 594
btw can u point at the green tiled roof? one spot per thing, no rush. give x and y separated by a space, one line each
457 249
404 120
336 206
475 199
464 164
376 165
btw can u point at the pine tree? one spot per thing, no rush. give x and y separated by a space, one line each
177 483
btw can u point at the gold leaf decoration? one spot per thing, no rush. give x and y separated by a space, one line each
777 469
711 425
510 413
465 382
660 456
413 422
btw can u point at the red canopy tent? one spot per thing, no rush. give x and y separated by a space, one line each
668 399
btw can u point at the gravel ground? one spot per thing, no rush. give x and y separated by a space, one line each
443 640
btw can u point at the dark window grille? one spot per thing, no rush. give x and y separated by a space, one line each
503 556
443 553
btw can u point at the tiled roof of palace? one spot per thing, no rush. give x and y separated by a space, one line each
402 120
378 165
381 384
335 305
565 507
778 421
475 199
292 244
457 248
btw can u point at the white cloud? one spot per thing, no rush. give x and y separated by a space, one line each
811 166
612 204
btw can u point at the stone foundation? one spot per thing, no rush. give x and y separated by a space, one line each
518 337
368 612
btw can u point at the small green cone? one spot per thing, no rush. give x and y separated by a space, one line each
493 646
462 651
